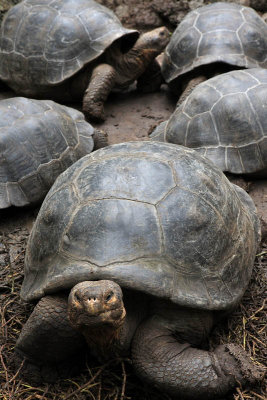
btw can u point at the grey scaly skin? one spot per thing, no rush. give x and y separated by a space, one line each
166 347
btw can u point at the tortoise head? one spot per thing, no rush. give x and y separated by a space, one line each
96 305
156 39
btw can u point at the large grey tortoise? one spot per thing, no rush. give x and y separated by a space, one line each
214 39
73 49
224 119
39 139
141 246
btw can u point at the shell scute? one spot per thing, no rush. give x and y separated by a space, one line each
254 43
110 234
258 100
15 195
134 179
189 228
177 130
29 28
251 157
240 128
217 43
204 124
234 83
202 101
185 48
226 20
64 39
197 176
48 217
8 31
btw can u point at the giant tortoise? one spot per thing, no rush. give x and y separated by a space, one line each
39 139
73 49
213 39
141 246
224 119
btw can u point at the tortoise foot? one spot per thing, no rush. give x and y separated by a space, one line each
236 362
93 112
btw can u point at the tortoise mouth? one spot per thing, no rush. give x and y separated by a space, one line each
113 318
96 303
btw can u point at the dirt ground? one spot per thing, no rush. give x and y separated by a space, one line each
130 116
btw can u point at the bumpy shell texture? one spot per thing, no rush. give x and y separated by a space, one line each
39 139
43 43
154 217
219 32
224 119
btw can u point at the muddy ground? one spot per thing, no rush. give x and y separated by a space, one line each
130 116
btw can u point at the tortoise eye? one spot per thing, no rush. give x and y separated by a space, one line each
109 296
77 296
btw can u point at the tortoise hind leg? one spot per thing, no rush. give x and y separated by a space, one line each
185 371
102 81
48 344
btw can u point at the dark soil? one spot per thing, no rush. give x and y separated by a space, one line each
130 116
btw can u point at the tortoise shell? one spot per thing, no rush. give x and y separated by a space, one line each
224 119
44 43
39 139
154 217
219 32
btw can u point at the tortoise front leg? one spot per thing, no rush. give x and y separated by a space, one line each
182 370
102 81
48 344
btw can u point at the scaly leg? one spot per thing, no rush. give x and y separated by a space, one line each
47 343
102 81
182 370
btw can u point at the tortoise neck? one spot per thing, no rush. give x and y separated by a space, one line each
139 56
102 340
131 65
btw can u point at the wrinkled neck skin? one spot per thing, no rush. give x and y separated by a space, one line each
103 342
129 66
108 341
